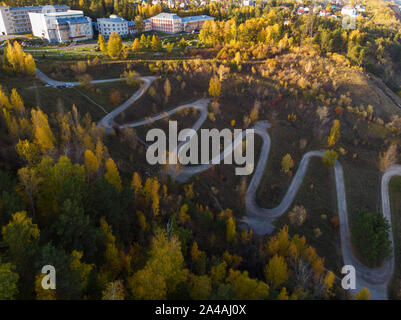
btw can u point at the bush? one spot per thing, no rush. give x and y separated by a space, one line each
370 235
297 215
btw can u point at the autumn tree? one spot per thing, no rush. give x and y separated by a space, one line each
8 281
102 43
230 229
287 163
245 287
163 271
44 137
169 47
136 184
112 175
214 87
91 164
136 45
330 157
28 151
276 271
364 294
334 133
15 60
198 258
114 46
156 43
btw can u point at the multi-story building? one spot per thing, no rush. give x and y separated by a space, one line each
148 25
166 22
59 27
194 23
171 23
106 26
16 20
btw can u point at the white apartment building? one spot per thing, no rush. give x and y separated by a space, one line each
106 26
171 23
59 27
16 20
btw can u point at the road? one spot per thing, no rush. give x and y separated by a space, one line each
258 218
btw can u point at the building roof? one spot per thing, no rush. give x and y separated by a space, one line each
113 18
72 20
197 18
65 13
164 15
59 6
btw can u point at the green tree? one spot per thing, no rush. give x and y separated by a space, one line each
21 237
370 235
8 281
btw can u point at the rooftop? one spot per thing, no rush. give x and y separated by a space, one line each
60 6
166 16
65 13
197 18
113 18
72 20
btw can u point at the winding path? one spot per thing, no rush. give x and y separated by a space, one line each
260 219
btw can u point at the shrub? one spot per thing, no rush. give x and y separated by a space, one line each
297 215
330 157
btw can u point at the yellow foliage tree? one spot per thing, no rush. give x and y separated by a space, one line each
112 175
114 46
214 87
43 134
334 133
276 271
91 163
364 294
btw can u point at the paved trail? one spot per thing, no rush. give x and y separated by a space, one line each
258 218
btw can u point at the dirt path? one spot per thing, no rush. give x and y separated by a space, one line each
258 218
